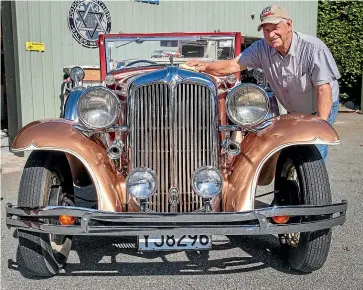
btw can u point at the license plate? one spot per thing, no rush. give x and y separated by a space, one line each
172 243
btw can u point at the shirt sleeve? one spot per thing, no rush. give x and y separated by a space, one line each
324 69
250 56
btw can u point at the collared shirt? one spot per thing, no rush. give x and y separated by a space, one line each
293 78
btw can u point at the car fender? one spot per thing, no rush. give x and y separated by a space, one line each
59 135
70 107
262 148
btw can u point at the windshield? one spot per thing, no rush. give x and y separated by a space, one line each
124 53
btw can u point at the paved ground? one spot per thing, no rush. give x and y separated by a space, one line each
9 161
245 263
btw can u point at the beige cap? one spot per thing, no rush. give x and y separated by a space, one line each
272 14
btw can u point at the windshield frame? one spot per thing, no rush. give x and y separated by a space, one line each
104 38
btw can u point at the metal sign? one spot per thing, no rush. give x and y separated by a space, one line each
87 19
34 46
156 2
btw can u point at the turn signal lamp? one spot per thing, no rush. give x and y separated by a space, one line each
282 219
66 220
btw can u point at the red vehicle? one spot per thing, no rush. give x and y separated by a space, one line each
173 157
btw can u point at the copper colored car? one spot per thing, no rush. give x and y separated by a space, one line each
172 157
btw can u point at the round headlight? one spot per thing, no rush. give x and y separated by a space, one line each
207 181
141 183
231 79
247 105
77 74
98 108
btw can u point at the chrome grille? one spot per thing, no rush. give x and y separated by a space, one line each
173 132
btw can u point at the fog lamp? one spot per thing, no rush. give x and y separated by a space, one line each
141 183
207 181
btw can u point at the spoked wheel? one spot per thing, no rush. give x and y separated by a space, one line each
302 179
46 180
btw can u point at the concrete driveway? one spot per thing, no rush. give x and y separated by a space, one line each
243 263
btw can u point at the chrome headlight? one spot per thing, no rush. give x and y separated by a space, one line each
247 105
207 181
98 108
141 183
77 74
231 79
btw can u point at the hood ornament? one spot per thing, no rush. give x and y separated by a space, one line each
171 59
173 199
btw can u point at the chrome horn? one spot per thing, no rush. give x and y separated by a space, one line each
233 148
115 150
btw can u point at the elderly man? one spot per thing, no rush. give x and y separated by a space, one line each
300 68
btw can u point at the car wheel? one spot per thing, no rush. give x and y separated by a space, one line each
302 179
46 180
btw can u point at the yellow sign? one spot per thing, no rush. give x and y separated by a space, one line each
34 46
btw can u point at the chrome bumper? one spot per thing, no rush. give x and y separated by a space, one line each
254 222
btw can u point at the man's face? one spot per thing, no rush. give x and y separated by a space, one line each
277 34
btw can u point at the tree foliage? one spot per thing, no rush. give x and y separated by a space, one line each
340 26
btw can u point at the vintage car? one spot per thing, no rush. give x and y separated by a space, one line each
174 158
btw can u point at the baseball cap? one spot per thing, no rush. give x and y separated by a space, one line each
272 14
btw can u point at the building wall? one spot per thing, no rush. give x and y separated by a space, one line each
40 73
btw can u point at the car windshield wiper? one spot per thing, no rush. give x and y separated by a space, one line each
136 40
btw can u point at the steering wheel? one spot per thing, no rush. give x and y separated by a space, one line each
140 61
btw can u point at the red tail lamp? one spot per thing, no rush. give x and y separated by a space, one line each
66 220
281 219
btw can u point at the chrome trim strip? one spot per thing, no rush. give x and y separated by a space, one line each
154 145
167 148
183 187
226 128
163 148
178 114
188 192
90 132
173 134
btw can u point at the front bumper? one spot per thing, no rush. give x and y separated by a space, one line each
254 222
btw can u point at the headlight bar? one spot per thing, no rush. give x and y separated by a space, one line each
90 132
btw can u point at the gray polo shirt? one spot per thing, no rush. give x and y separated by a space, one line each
293 78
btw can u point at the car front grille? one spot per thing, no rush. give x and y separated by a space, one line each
173 131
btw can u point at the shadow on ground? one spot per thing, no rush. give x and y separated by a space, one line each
264 252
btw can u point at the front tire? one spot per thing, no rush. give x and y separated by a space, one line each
46 180
302 179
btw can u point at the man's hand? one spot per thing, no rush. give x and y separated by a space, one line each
324 101
217 68
198 65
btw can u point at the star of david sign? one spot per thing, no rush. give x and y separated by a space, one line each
91 20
